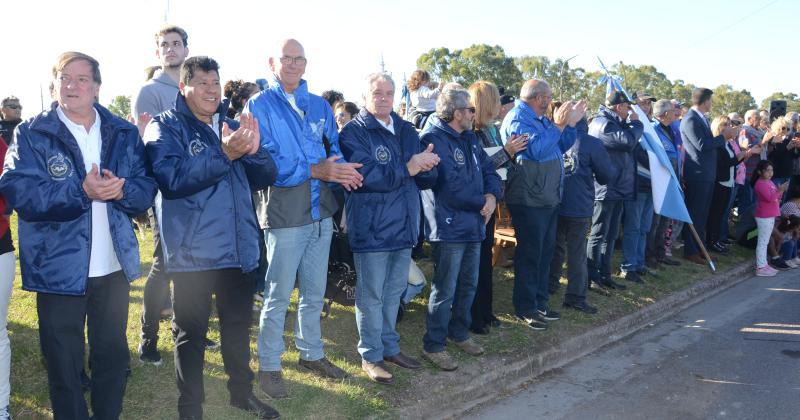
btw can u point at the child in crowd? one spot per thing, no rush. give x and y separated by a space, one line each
783 244
767 209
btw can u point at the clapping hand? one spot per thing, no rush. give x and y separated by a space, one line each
423 161
243 141
103 188
344 173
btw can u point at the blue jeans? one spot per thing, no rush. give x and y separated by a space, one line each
453 288
294 254
789 249
382 278
638 220
602 237
535 230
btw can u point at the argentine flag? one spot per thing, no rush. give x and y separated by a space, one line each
668 198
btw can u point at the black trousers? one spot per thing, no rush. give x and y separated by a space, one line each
103 310
156 291
482 312
192 308
719 203
571 238
698 202
656 242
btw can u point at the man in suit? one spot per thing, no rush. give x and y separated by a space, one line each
700 167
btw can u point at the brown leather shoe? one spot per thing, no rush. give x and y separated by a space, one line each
404 361
377 372
695 258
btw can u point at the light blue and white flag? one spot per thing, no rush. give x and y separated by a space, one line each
668 198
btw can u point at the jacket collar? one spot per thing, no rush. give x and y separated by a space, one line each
372 123
300 94
49 122
525 111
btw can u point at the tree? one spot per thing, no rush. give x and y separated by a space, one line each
727 100
467 66
792 101
121 106
566 82
682 92
644 79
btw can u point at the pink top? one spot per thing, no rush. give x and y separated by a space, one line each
768 199
741 172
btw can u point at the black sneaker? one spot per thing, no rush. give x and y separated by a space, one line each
632 276
779 264
148 353
718 248
611 284
535 323
582 306
256 407
550 315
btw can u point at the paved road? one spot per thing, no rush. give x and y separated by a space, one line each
734 356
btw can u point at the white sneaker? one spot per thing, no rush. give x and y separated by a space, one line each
766 271
796 260
791 263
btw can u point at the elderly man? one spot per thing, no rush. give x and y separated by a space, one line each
10 117
457 208
665 114
294 125
700 169
534 210
79 201
645 101
620 136
205 165
386 211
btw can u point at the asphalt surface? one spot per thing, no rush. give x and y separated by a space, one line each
734 356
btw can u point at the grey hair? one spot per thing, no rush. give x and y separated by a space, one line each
449 101
374 77
750 114
662 106
532 89
793 116
734 116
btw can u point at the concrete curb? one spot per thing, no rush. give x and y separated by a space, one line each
497 376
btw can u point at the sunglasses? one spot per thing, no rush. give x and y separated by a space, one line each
13 106
470 109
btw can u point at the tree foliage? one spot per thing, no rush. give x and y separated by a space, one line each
121 106
727 100
467 66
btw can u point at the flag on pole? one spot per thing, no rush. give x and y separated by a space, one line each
668 198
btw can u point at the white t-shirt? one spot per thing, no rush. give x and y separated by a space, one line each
389 126
424 99
293 103
103 260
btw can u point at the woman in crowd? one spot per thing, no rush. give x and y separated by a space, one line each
344 112
727 160
783 149
238 92
485 97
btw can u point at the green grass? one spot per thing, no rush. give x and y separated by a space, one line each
152 394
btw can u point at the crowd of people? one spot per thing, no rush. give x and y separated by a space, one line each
246 191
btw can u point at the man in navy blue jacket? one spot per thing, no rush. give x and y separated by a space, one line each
76 174
535 189
700 169
620 137
206 166
457 208
384 215
585 162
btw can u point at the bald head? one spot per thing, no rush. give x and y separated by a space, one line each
288 64
537 94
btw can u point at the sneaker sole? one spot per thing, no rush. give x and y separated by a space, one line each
150 362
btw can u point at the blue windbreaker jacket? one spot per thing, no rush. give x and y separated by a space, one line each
205 209
384 214
42 180
464 174
295 144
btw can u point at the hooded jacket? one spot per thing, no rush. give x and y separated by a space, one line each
620 138
585 163
43 181
204 207
295 143
464 175
384 213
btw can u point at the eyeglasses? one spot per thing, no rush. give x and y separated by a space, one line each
784 128
300 61
736 123
469 108
13 106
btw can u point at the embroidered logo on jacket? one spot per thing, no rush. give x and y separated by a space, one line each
196 145
60 167
458 155
383 155
570 162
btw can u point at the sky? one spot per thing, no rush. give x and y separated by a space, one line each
747 44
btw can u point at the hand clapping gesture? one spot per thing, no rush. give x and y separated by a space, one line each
244 141
423 161
569 113
103 188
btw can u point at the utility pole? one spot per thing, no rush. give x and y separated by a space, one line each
383 65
